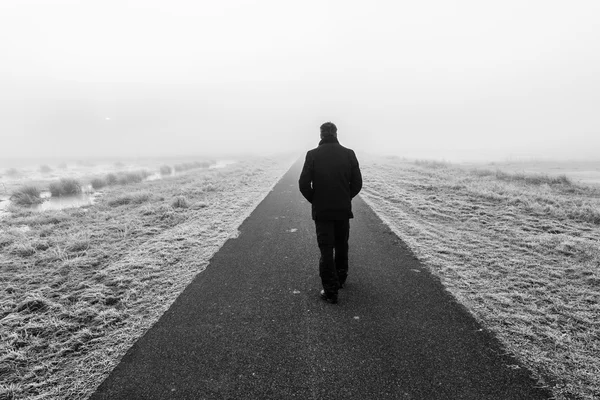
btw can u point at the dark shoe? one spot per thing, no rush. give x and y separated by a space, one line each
330 298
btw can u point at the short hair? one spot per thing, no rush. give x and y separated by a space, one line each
328 129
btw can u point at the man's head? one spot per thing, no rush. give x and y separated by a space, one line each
328 129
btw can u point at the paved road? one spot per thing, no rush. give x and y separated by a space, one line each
252 326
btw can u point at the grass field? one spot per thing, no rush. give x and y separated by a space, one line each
585 172
80 285
521 250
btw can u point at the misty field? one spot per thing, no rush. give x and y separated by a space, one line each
80 285
520 251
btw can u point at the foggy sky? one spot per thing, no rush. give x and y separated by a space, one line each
437 79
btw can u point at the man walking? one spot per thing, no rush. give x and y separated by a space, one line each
329 180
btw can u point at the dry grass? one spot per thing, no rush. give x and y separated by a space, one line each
80 286
165 170
65 187
131 177
180 202
98 183
521 252
26 196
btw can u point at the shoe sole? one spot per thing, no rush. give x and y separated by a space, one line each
328 299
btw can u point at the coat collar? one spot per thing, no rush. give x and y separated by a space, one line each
329 139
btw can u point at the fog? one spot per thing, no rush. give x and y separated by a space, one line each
461 80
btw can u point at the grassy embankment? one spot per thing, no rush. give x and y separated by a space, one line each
80 285
521 252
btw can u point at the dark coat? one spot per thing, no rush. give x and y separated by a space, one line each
330 179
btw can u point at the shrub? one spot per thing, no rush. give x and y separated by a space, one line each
166 170
65 187
111 179
44 169
482 172
98 183
62 166
137 198
209 187
77 246
130 177
26 196
12 172
180 202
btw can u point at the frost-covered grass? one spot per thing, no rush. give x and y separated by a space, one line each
65 187
165 170
26 196
520 251
192 165
128 178
80 286
98 183
45 169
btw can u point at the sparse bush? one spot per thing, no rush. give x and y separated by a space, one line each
71 186
111 179
98 183
180 202
26 196
78 246
166 170
209 187
199 205
12 172
44 169
65 187
203 164
136 198
132 177
482 172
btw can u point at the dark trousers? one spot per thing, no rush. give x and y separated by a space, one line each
332 236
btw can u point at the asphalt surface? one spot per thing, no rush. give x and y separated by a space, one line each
252 326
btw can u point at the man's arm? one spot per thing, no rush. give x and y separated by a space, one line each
355 175
306 178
